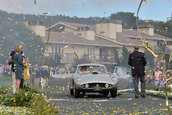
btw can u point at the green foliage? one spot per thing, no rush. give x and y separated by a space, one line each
157 88
128 19
21 99
149 58
125 56
170 65
27 97
40 106
4 91
16 34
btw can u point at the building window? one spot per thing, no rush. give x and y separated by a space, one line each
90 51
93 51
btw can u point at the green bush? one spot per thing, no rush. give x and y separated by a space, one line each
21 99
4 91
40 106
156 88
27 97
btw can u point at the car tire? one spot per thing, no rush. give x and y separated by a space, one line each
71 91
76 93
114 93
82 94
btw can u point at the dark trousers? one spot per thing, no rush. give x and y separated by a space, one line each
136 83
21 83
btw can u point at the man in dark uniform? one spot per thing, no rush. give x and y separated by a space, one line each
137 62
11 62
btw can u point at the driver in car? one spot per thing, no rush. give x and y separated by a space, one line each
83 69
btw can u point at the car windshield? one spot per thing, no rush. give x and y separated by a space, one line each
95 69
61 70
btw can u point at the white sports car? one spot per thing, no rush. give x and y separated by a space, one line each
93 78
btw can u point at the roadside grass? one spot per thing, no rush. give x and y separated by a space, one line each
153 91
5 85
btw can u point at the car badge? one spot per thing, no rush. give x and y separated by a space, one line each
97 85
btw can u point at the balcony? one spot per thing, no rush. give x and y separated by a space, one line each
161 50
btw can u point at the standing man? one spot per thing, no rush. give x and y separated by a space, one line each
11 62
137 62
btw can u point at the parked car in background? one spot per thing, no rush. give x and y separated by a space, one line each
123 77
93 78
61 78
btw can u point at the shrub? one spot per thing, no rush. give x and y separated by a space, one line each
27 97
21 99
40 106
4 91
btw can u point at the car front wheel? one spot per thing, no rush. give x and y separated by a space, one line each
76 93
114 93
71 91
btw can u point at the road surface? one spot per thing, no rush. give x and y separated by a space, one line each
123 104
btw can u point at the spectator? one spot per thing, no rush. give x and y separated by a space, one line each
158 74
22 80
161 82
37 76
18 67
150 78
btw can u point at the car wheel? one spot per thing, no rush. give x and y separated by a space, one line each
106 93
114 93
71 91
82 94
76 93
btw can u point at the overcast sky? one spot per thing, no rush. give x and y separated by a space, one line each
155 10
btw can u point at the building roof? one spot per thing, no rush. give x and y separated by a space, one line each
70 38
134 34
120 37
74 26
122 40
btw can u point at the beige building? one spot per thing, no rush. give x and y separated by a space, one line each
100 43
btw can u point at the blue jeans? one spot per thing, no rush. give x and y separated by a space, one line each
156 82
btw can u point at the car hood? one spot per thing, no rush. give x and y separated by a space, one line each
94 78
61 76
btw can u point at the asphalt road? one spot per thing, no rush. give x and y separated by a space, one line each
123 104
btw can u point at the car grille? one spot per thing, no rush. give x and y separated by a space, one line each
91 85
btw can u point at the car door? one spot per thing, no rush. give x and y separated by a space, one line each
62 78
123 77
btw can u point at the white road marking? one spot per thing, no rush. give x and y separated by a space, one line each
83 100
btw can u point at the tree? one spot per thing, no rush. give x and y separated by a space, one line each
125 55
128 19
12 34
149 58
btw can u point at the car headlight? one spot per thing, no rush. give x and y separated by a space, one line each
86 85
78 80
106 85
114 79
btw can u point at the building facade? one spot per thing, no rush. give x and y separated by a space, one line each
100 43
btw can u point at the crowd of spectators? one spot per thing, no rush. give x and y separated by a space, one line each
158 77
